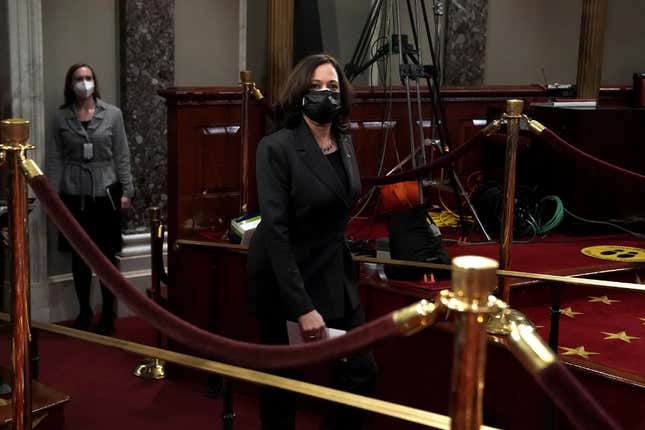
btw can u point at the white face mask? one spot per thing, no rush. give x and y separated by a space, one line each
83 89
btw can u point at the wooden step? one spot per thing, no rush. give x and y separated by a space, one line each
47 406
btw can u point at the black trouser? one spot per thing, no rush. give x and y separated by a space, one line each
354 374
82 282
103 225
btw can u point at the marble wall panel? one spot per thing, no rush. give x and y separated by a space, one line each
147 64
465 42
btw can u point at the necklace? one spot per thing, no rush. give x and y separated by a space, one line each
328 148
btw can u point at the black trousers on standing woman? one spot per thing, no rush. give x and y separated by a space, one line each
355 374
102 223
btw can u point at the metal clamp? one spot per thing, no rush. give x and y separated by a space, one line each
246 80
456 303
416 317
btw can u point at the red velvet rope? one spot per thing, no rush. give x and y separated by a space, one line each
547 134
556 140
572 399
424 170
252 355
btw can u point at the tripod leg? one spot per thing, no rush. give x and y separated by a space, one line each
413 154
357 63
421 137
464 195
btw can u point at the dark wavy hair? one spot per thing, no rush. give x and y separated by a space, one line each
289 106
70 97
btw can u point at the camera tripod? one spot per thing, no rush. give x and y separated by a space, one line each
386 14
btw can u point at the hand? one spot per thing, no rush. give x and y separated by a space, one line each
312 326
125 203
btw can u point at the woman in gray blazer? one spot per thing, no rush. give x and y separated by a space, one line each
299 264
90 165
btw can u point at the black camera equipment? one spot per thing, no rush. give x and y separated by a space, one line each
385 15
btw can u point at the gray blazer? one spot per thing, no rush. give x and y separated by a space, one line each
105 134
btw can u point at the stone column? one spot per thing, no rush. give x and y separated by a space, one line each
147 56
5 66
465 42
279 44
24 25
590 52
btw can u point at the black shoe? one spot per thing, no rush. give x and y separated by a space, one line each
105 326
83 321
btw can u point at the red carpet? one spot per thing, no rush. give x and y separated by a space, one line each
106 395
601 325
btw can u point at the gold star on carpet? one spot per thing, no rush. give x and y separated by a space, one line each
570 312
603 299
642 319
621 336
579 351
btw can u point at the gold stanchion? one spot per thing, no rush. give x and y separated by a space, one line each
473 280
513 116
15 134
501 323
151 367
249 88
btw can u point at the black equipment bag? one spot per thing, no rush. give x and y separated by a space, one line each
414 236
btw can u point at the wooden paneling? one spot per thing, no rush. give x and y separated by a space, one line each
204 164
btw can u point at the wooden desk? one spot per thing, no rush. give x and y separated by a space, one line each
613 134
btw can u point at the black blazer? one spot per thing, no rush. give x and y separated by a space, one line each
298 257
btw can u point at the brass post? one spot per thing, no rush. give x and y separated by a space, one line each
473 280
248 89
415 317
156 248
513 116
15 134
151 367
245 79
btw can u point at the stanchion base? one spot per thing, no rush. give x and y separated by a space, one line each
500 323
151 368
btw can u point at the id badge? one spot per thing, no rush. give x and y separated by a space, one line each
88 151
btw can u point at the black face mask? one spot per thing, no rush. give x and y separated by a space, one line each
321 106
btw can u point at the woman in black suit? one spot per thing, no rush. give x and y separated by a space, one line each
299 265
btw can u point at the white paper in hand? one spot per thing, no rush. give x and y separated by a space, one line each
295 336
